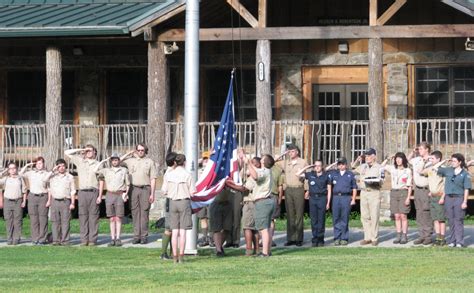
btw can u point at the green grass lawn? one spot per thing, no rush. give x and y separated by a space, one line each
280 225
288 270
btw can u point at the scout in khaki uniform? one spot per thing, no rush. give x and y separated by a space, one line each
421 187
264 203
178 186
61 200
166 238
117 182
294 195
401 177
88 195
436 187
142 178
370 198
13 201
37 199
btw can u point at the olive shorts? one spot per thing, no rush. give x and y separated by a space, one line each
180 214
264 209
248 215
220 216
436 210
397 201
114 205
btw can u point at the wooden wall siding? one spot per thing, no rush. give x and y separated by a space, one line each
3 97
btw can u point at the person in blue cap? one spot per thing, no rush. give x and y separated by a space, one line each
344 191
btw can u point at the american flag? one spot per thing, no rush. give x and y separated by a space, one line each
223 160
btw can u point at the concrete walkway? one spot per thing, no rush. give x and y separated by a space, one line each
387 235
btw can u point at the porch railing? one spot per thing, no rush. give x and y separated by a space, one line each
327 140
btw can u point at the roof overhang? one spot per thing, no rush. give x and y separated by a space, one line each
466 6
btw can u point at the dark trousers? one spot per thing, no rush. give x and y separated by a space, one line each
88 215
140 207
455 215
317 213
13 214
341 210
294 202
236 201
60 218
423 214
38 213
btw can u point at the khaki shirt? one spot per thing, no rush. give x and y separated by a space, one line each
401 178
62 186
263 187
142 170
86 171
178 184
249 185
116 178
13 187
365 171
435 183
37 180
290 167
278 178
418 165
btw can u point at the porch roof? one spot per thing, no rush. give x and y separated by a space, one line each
65 18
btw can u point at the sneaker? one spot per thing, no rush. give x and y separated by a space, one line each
365 242
337 242
136 241
112 243
118 242
427 241
165 256
344 242
452 244
459 245
418 241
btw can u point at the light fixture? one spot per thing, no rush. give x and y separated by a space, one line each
343 47
169 49
77 51
261 71
469 45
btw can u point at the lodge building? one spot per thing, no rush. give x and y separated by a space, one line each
342 74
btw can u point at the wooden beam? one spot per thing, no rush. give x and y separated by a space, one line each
243 12
390 11
375 94
373 7
139 30
263 97
262 13
327 33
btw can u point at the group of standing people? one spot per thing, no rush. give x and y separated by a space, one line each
55 192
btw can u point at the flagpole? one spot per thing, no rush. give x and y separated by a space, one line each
191 104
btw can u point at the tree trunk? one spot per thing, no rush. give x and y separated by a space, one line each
264 99
376 95
158 92
53 105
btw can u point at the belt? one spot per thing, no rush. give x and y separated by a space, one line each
16 199
454 195
318 194
38 194
342 194
89 189
141 186
60 199
181 199
261 199
116 192
300 186
419 187
370 189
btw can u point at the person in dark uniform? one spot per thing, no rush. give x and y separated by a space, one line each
319 195
344 191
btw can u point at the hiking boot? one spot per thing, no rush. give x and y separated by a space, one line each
118 242
375 243
418 241
112 243
136 241
427 241
344 242
442 242
165 256
398 239
337 242
365 242
404 239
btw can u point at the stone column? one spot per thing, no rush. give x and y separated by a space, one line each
88 105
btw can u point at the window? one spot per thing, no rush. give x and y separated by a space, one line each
441 93
246 107
127 97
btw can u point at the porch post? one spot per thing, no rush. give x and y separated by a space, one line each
264 99
376 96
158 92
53 105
